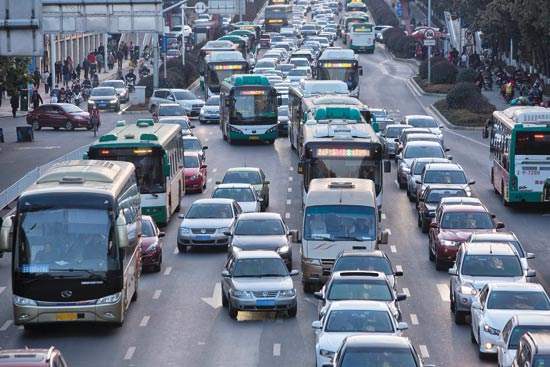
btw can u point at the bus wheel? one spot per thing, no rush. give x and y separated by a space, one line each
504 201
135 295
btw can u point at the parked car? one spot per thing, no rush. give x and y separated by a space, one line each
59 116
104 98
151 244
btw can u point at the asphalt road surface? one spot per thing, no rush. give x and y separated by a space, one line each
178 319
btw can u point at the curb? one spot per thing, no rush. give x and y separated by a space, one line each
451 125
419 88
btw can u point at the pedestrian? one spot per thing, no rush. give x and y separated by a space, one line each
36 99
48 84
100 62
14 102
91 58
101 49
58 68
464 60
66 74
111 60
36 78
86 67
120 57
54 94
78 70
125 50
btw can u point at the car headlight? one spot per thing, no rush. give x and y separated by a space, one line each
90 101
468 290
203 111
194 177
223 229
241 294
184 230
283 249
491 330
152 247
326 353
449 243
22 301
113 298
312 261
114 100
287 293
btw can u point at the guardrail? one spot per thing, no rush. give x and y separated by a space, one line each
10 194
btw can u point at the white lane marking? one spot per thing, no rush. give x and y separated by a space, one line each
216 300
443 290
290 189
396 183
414 319
288 202
291 168
129 353
393 249
383 216
201 343
214 170
144 321
290 178
276 350
176 250
6 325
424 351
407 292
168 270
398 268
157 293
287 215
2 289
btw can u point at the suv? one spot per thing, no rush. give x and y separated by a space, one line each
476 265
533 350
50 357
446 174
504 237
426 204
452 226
517 326
190 103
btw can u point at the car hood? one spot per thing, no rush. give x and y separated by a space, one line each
259 242
211 109
206 223
147 241
461 235
120 90
191 171
480 282
190 102
248 206
263 284
101 98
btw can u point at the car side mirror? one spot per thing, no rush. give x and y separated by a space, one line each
192 126
6 234
418 182
500 225
204 166
396 140
267 182
218 182
316 324
121 231
447 149
161 234
295 235
227 233
402 326
453 271
387 166
531 273
471 183
294 272
226 274
476 305
318 295
530 255
401 297
398 271
205 147
384 237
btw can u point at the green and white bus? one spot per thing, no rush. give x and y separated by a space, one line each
156 150
248 109
520 153
361 37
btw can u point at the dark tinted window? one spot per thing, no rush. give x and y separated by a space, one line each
435 196
202 210
379 357
357 321
445 177
191 161
191 145
251 177
518 331
508 300
260 268
359 290
147 228
259 227
491 266
373 263
533 143
467 220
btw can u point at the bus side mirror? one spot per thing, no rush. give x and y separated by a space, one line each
6 234
360 70
121 231
485 134
387 166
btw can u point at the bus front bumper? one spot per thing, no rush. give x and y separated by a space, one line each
86 311
158 213
268 135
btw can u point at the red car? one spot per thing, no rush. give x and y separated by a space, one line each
195 173
151 244
453 225
59 115
32 358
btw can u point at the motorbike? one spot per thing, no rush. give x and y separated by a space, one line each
77 99
131 85
143 72
86 92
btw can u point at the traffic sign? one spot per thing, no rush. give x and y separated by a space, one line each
429 42
200 7
429 34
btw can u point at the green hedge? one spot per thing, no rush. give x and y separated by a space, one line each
465 95
382 13
399 43
443 72
466 75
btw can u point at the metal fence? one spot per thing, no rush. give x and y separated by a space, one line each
12 193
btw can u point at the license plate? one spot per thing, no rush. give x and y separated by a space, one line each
66 316
265 302
203 238
102 104
254 137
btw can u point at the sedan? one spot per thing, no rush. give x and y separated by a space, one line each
258 281
195 172
243 194
416 149
182 121
427 203
120 87
151 244
424 121
389 136
104 98
262 231
207 222
250 175
192 144
58 115
415 173
210 112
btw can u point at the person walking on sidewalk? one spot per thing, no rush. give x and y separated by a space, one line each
36 99
86 67
48 84
14 102
110 61
77 70
100 62
1 91
54 94
58 76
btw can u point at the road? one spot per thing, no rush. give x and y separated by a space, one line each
178 319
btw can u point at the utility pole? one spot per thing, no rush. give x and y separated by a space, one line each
429 47
183 44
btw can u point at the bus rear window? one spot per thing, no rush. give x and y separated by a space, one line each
533 143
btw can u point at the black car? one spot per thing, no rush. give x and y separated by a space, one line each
429 200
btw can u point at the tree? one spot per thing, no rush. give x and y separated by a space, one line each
14 73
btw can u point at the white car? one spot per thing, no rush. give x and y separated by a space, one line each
427 122
191 104
347 318
496 304
243 194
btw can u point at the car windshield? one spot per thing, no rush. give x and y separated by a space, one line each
191 161
103 92
184 123
147 229
297 72
423 151
299 62
114 84
379 357
510 300
435 196
259 227
250 177
491 266
170 111
265 64
467 220
183 95
393 132
520 330
213 101
262 267
361 290
340 222
445 177
191 145
71 108
237 194
359 321
202 210
366 263
423 122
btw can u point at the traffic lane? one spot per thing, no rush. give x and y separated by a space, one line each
17 159
208 336
427 310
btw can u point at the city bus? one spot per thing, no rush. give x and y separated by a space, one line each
279 2
340 64
249 26
350 18
212 46
520 154
361 37
276 17
240 41
221 65
248 109
249 35
156 150
75 237
337 142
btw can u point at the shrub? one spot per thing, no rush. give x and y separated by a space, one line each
444 72
382 13
398 43
423 69
466 75
467 96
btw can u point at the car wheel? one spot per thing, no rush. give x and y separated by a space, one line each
158 267
69 126
409 196
439 265
431 255
36 125
293 311
460 317
472 337
182 249
233 312
424 226
225 302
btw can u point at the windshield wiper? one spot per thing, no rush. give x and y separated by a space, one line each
93 274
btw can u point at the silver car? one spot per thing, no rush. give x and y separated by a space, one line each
413 150
443 174
207 223
425 121
244 194
258 281
415 173
505 237
389 136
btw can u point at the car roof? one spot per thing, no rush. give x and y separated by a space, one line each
515 287
247 169
187 137
169 105
432 187
397 125
358 274
489 248
425 135
213 201
179 90
26 357
412 117
445 166
460 200
256 216
112 80
362 253
456 208
497 236
191 154
431 159
235 186
423 143
255 254
358 305
530 318
377 341
541 341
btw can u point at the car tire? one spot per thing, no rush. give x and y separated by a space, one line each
182 249
424 225
293 311
158 266
459 317
69 125
225 302
36 125
483 356
439 265
233 312
431 255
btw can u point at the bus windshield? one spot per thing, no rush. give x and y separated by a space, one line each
340 222
60 239
258 107
348 74
218 72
